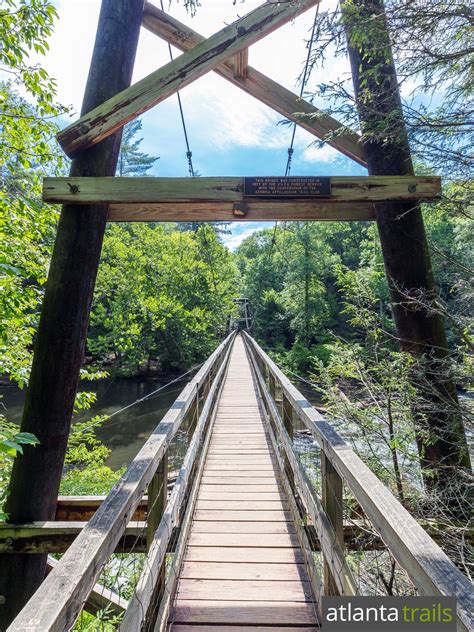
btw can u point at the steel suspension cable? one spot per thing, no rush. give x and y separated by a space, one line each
303 84
189 153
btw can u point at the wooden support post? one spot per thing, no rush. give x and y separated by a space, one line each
442 443
332 503
287 417
157 499
272 385
62 331
193 417
241 64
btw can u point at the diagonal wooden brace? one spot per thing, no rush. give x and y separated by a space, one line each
261 87
130 103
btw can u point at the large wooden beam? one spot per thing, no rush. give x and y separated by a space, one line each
258 211
232 189
57 537
62 331
128 104
261 87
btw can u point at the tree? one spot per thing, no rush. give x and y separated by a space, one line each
441 438
162 295
132 161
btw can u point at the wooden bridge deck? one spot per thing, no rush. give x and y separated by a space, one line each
243 566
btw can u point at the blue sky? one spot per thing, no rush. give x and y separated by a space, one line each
230 132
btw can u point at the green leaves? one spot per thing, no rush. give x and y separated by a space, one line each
163 297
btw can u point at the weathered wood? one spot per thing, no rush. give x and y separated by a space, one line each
426 564
241 64
238 628
261 87
57 537
256 572
248 540
242 527
62 331
248 613
243 541
245 590
142 600
258 211
237 555
174 570
333 552
157 497
332 503
82 508
100 599
59 599
128 104
154 190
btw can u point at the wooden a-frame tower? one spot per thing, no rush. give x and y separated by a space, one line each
92 196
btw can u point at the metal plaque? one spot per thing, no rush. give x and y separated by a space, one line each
288 187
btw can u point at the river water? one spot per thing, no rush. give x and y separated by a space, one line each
126 431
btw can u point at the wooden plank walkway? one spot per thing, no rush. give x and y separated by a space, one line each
243 566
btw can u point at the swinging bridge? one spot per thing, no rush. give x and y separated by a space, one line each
236 544
248 536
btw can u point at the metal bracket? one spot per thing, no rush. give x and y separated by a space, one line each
240 209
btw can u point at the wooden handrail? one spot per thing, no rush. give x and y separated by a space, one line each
140 601
428 567
332 551
58 601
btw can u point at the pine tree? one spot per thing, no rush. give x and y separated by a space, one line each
132 161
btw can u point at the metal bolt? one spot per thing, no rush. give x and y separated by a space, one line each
84 128
9 541
412 188
2 600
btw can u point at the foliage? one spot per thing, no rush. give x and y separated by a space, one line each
11 444
432 47
133 162
162 296
86 469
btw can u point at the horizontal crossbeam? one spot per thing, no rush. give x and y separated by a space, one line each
233 199
259 211
258 85
110 116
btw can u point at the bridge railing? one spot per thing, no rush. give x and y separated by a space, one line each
60 598
427 566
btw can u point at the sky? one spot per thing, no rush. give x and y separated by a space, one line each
230 132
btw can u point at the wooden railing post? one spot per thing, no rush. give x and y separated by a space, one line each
157 499
287 417
193 415
271 385
332 503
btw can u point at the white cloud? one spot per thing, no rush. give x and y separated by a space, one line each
325 154
240 232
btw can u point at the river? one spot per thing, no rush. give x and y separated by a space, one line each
126 431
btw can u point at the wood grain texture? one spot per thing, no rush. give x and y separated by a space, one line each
154 190
244 612
60 596
243 562
114 113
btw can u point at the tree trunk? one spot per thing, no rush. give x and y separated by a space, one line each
442 442
61 337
